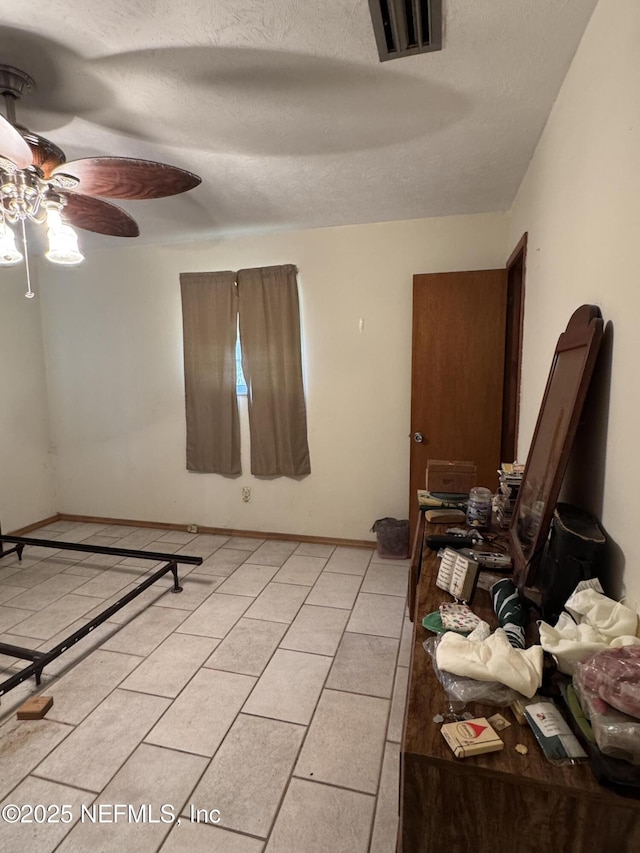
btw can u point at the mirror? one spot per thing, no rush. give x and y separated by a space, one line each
564 396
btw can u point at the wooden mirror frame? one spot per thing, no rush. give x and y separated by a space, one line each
571 370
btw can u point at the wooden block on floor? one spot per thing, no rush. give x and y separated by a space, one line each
35 708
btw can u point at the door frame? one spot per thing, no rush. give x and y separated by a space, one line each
516 271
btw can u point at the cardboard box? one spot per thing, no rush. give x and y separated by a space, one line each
471 737
450 477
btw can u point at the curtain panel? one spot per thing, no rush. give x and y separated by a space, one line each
272 365
209 318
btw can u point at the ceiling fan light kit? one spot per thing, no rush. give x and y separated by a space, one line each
9 253
63 240
38 185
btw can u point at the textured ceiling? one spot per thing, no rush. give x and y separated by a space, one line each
284 110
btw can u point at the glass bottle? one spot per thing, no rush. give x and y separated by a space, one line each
479 508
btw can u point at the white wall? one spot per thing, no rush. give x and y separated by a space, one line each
27 491
114 340
580 203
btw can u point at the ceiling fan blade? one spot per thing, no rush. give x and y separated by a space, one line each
93 214
126 177
45 154
12 145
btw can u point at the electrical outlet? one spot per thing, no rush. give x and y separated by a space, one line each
192 528
246 494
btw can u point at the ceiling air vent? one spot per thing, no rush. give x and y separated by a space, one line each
404 27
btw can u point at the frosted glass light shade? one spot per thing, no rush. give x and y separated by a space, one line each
63 245
9 253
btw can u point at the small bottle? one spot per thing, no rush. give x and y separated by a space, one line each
479 508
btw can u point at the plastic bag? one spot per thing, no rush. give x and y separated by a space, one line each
614 676
616 734
461 689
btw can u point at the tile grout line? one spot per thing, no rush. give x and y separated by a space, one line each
291 775
386 740
74 726
233 722
231 725
307 726
349 610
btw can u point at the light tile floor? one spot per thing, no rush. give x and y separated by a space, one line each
271 689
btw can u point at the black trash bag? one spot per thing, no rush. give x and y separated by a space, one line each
575 552
392 537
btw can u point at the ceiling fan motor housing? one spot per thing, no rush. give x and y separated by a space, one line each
15 82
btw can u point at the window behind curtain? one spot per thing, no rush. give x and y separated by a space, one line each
266 302
241 382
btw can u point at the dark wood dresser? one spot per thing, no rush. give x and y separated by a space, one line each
501 801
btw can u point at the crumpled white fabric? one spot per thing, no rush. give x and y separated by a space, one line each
480 632
600 623
491 659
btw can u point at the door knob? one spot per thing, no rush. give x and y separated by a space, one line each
418 437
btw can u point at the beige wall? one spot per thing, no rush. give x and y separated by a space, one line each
114 341
580 203
26 464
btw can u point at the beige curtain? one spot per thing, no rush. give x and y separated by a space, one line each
209 318
272 365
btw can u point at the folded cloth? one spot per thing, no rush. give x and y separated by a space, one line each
480 632
492 659
611 618
600 623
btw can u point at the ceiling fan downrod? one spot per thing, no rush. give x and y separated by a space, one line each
14 84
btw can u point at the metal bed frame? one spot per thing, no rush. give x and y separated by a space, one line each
40 659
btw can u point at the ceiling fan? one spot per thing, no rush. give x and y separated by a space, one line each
38 184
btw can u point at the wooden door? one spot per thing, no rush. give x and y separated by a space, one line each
457 373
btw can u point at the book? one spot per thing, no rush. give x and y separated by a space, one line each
511 469
458 573
509 482
471 737
553 734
